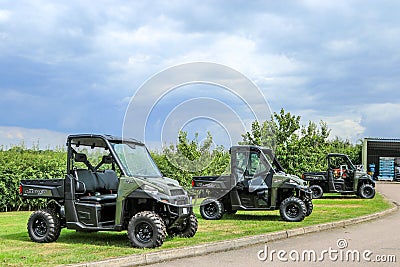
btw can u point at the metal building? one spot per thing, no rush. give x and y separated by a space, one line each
381 158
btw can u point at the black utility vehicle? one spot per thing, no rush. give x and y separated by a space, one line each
111 185
257 182
341 177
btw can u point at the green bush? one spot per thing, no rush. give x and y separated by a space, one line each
20 163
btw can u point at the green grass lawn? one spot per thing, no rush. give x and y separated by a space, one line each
16 249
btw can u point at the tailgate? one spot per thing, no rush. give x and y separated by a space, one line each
314 176
206 182
42 188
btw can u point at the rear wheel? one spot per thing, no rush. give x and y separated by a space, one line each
44 226
366 191
146 230
293 209
317 191
211 209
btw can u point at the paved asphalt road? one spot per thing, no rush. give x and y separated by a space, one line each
374 241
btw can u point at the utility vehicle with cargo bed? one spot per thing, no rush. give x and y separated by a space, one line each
111 184
257 182
340 177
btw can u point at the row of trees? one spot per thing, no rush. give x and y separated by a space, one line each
299 147
188 158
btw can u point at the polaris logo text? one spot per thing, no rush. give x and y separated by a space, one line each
31 191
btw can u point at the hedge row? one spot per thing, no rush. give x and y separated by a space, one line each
20 163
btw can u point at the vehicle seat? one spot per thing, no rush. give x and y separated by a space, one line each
108 180
89 180
99 186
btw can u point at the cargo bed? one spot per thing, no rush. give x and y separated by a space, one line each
42 188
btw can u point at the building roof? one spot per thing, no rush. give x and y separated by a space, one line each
377 139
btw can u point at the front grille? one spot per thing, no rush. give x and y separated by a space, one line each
177 192
180 202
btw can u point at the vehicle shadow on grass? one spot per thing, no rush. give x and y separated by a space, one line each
339 197
103 239
94 238
72 237
119 239
108 239
246 217
21 236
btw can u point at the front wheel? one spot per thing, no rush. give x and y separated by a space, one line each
188 228
309 206
317 191
146 230
293 209
44 226
366 191
211 209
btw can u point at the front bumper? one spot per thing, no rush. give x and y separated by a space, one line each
176 214
180 211
306 192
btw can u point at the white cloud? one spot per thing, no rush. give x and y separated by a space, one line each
381 119
344 47
348 125
338 59
381 112
346 128
4 15
10 136
317 5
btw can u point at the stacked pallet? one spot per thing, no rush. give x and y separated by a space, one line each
386 168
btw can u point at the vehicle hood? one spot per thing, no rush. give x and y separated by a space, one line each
165 185
164 181
293 178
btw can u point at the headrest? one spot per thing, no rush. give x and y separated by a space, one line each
107 159
80 157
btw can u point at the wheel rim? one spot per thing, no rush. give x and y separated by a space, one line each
210 209
367 191
40 227
292 210
315 192
144 232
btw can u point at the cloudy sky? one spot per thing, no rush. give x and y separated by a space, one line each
73 66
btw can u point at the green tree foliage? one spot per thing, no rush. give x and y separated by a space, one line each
300 148
189 158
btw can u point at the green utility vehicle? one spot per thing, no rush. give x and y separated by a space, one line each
257 182
111 184
341 177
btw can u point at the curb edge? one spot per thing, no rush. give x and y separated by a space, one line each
220 246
